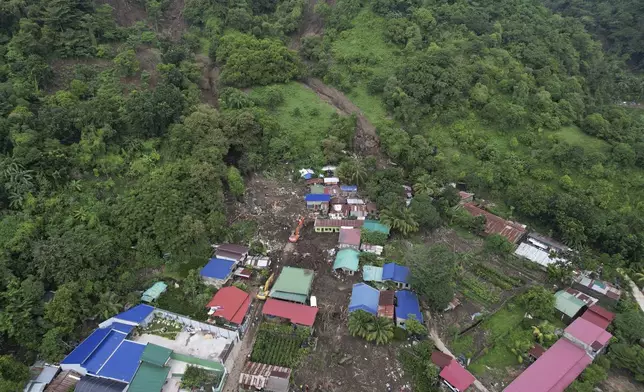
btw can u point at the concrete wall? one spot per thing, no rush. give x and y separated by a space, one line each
226 333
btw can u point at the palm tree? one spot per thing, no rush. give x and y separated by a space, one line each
359 322
638 278
108 305
380 330
353 171
399 218
426 185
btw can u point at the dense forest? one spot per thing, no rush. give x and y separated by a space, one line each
114 172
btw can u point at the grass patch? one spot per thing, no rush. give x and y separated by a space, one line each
463 345
498 357
163 327
304 121
573 135
370 105
503 321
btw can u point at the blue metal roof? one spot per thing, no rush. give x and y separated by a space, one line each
308 176
406 304
395 272
217 268
125 328
364 297
136 314
349 188
103 352
320 197
124 362
86 347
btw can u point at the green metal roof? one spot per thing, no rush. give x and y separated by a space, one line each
317 189
289 296
374 225
156 355
154 292
371 273
567 304
347 259
148 378
294 280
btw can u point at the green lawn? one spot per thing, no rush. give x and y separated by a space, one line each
503 321
304 120
498 357
576 137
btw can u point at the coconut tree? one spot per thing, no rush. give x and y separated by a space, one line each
380 330
359 322
425 185
108 305
352 171
400 219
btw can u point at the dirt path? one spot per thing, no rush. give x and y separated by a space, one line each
637 293
365 141
312 24
438 343
232 382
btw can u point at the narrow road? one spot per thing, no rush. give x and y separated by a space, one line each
440 346
637 293
232 382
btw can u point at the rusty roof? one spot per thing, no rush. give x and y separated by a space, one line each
65 381
256 374
513 231
440 359
387 297
234 248
338 223
536 351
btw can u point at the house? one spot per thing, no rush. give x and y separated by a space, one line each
42 374
317 202
331 180
91 384
605 291
233 248
316 189
512 231
347 260
371 273
375 249
598 316
440 359
316 180
387 304
297 314
153 293
258 262
332 190
364 297
397 274
306 174
106 353
217 271
348 190
358 202
456 378
230 304
374 225
406 306
268 378
541 249
236 257
536 352
244 273
571 303
153 370
466 197
349 238
359 211
334 225
293 284
64 382
561 364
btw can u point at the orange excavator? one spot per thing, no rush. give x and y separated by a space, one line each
296 233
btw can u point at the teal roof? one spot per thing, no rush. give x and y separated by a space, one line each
153 293
371 273
293 284
347 259
149 378
374 225
567 303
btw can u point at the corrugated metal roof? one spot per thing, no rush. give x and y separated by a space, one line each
234 248
218 268
536 255
155 355
154 292
513 231
317 198
295 313
457 376
338 223
257 374
406 304
374 225
349 236
294 280
149 378
440 359
371 273
124 362
588 332
96 384
395 272
567 303
364 297
386 302
347 259
65 381
232 304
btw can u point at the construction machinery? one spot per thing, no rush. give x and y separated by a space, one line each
296 233
263 293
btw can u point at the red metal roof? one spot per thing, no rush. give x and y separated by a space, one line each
457 376
338 223
296 313
588 332
598 316
233 304
386 303
554 371
349 236
441 359
537 351
513 231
